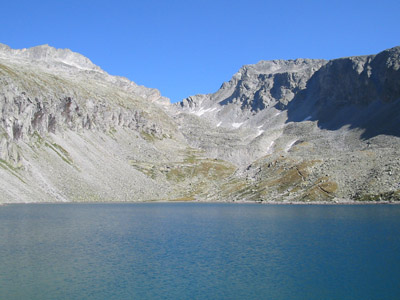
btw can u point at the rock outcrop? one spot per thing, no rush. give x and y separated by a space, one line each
287 131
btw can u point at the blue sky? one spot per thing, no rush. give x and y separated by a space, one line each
184 48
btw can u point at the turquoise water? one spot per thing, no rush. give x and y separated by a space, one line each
199 251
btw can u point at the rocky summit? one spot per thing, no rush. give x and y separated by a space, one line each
303 130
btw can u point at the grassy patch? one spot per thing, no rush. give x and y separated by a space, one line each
193 176
111 132
149 170
329 187
9 167
207 169
6 165
8 70
61 152
147 136
183 199
315 193
37 139
386 196
198 178
191 159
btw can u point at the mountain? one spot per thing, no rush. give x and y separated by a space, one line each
71 132
279 131
305 130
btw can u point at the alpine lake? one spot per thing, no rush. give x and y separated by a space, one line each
199 251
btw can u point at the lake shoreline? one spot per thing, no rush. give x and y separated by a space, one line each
333 203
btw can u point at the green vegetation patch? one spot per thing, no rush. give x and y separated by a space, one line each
10 168
184 199
61 152
37 139
320 192
391 196
192 177
209 169
147 136
8 71
282 177
111 132
150 170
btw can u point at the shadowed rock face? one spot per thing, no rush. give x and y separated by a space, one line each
362 92
297 130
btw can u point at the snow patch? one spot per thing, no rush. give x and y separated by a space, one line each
237 125
75 65
290 145
219 124
260 132
202 111
270 146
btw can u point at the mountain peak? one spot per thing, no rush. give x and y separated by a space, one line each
282 66
49 55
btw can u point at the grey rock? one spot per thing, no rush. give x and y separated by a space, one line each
279 131
335 117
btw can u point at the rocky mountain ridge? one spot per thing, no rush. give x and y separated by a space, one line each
288 131
48 113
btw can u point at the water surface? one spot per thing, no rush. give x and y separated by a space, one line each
199 251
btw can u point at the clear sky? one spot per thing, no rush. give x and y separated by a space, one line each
184 47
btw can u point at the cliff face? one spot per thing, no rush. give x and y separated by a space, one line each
361 92
299 130
48 90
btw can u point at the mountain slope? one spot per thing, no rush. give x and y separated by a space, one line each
309 129
299 130
71 132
